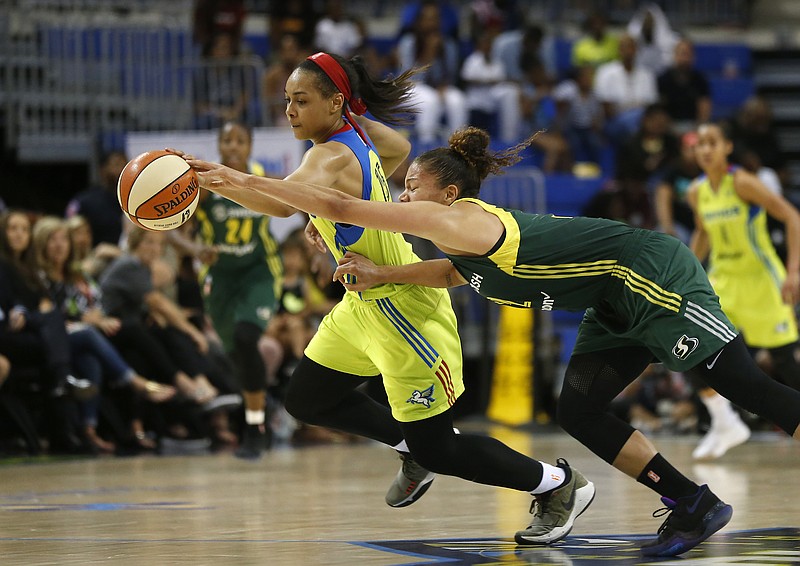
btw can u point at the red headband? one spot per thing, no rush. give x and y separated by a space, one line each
337 74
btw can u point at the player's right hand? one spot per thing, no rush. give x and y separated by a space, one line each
356 272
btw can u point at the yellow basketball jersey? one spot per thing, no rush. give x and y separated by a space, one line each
383 248
744 268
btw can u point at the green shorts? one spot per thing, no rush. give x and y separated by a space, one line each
410 338
663 302
248 295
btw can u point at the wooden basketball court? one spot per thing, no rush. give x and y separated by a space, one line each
324 505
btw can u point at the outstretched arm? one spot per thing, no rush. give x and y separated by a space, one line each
358 273
262 204
417 218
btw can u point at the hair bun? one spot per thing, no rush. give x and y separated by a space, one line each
471 143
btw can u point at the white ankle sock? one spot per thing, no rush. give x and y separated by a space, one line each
552 478
254 417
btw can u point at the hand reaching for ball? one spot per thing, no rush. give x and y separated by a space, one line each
212 175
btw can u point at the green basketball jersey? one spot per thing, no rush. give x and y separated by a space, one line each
383 248
241 236
544 261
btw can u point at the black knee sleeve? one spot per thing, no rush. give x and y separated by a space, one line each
302 399
246 357
592 381
326 397
735 375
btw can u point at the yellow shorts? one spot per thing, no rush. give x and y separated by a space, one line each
754 305
410 338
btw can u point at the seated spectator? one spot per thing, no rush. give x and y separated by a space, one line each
493 17
624 199
625 89
581 116
291 324
222 85
337 32
33 335
128 294
213 17
597 46
509 47
93 356
655 40
99 204
754 128
651 149
684 90
435 93
157 337
675 216
89 259
658 401
297 18
489 93
273 82
449 18
539 115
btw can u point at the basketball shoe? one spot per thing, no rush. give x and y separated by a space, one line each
690 521
411 483
721 437
554 512
255 439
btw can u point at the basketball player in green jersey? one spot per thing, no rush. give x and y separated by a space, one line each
405 333
755 290
645 294
242 282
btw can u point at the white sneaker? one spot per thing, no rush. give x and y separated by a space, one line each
703 450
720 439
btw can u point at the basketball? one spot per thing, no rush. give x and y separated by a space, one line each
158 190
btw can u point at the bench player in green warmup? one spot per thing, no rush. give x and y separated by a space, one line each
242 282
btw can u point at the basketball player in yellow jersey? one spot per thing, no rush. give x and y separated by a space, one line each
755 291
404 332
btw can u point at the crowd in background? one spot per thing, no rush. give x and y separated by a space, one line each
104 343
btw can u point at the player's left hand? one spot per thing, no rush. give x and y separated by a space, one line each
790 291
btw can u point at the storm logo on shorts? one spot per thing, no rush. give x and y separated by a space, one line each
422 397
685 346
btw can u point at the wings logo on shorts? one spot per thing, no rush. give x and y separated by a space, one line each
684 346
422 397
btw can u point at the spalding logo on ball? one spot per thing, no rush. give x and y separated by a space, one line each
158 190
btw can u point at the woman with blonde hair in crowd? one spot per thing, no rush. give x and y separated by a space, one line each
93 357
91 259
